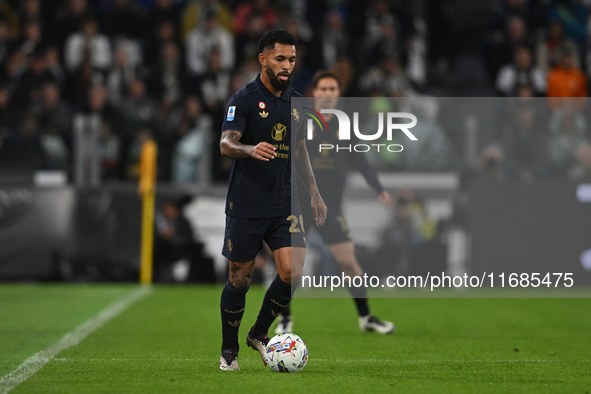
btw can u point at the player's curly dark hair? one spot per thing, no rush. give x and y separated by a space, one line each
274 36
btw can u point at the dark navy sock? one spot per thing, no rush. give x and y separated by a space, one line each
360 297
276 299
287 311
232 309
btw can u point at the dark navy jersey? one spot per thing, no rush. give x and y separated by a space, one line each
330 167
262 189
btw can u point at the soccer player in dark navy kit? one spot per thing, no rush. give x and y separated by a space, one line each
257 134
330 170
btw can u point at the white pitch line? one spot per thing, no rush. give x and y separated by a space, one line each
78 360
73 338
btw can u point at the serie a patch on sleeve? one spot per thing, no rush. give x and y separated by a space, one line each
231 112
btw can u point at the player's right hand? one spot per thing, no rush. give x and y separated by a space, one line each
263 151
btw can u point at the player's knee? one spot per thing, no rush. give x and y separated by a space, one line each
241 282
347 261
350 266
291 276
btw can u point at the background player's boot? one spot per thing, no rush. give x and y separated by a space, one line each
285 325
371 323
229 360
259 344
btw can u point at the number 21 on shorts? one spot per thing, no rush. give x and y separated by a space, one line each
294 222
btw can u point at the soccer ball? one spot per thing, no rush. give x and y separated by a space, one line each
287 353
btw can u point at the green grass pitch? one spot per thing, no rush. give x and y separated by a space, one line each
169 342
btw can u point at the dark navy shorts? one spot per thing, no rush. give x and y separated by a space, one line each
244 236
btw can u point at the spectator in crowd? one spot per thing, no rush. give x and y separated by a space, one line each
164 32
202 40
5 41
581 171
8 14
503 46
166 82
120 76
15 66
88 131
250 7
162 10
525 141
568 129
52 56
195 13
215 87
138 109
566 80
67 20
30 83
532 13
7 115
131 48
24 145
572 14
124 17
416 65
387 79
192 151
56 153
333 39
550 48
87 45
521 72
246 42
52 113
109 147
346 71
30 10
31 40
387 43
377 17
491 163
174 242
78 83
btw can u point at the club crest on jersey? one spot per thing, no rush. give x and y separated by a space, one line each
264 114
231 112
296 115
279 132
262 105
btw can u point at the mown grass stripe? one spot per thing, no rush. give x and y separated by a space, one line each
73 338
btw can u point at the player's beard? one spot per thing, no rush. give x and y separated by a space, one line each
278 84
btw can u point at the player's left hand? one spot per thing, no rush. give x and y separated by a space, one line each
319 209
385 198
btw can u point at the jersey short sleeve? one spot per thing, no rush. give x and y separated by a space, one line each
237 113
298 120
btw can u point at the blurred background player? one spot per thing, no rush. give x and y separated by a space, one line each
260 193
330 169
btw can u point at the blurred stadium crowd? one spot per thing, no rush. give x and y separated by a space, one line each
83 82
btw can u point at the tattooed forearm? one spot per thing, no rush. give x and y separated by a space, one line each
304 169
230 147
